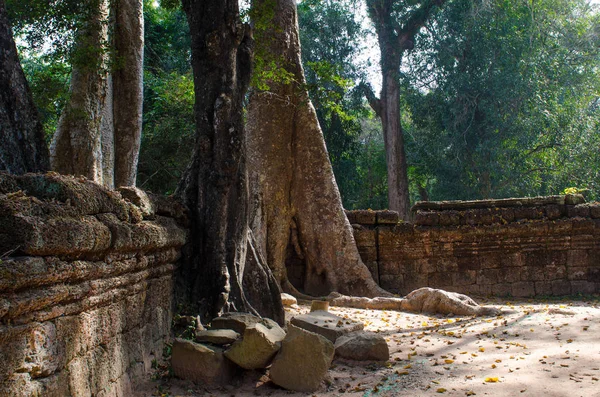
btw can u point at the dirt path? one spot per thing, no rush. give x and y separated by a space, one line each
533 349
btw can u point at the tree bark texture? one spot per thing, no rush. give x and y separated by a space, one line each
395 154
107 136
215 185
296 206
23 148
394 39
128 89
77 144
99 132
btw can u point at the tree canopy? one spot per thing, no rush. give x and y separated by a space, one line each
498 98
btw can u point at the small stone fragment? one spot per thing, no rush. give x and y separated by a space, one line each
303 361
288 300
199 326
319 306
201 363
362 346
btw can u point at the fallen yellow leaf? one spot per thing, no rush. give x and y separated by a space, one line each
441 390
491 379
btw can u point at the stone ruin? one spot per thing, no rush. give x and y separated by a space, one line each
86 285
87 278
541 246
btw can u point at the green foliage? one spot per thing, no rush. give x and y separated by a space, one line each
49 84
371 181
269 68
169 125
504 99
43 24
167 38
330 35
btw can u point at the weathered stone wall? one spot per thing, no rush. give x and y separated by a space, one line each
518 247
86 285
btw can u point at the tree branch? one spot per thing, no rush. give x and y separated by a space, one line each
374 102
406 35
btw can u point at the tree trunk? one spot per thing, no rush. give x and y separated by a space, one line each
394 39
215 185
296 206
23 148
107 133
77 144
99 132
395 155
128 89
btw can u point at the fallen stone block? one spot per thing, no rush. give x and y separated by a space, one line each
235 321
217 336
362 346
288 300
303 360
201 363
257 347
326 324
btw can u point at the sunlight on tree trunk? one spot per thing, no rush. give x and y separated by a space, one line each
77 144
296 206
128 89
99 132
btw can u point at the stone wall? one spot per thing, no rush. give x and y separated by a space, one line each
517 247
86 280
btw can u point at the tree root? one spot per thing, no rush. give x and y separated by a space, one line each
422 300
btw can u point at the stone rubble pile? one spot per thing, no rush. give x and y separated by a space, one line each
298 359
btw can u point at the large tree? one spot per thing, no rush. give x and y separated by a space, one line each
330 35
396 23
127 81
77 143
99 131
23 148
296 207
215 186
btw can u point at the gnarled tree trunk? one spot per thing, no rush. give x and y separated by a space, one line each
296 206
215 185
22 147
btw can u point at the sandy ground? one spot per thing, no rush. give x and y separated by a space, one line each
535 348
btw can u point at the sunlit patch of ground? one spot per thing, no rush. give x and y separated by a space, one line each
535 348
